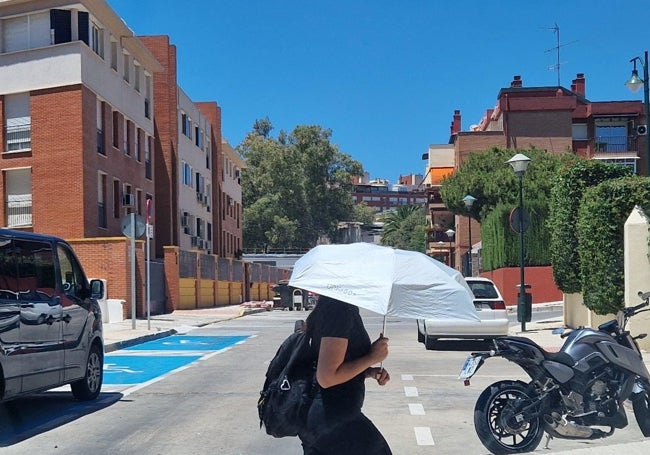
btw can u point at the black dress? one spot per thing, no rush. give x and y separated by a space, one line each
335 424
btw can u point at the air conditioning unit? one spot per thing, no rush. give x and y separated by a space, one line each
642 130
195 241
128 200
200 243
199 197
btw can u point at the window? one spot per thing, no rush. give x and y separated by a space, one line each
137 74
136 145
579 131
627 162
126 69
198 137
18 127
26 32
101 200
18 190
61 25
611 137
74 281
27 269
184 120
127 137
187 174
147 95
114 55
117 199
116 129
100 127
147 157
97 40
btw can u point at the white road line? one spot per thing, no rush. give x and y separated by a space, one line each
416 409
407 377
423 436
411 391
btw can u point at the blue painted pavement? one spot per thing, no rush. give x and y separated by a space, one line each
147 361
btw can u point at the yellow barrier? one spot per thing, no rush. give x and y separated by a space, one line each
187 288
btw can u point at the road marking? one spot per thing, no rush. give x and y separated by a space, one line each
411 391
407 377
423 436
416 409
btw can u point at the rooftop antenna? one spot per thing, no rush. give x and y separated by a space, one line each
556 67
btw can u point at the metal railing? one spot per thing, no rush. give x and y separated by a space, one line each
616 144
19 137
19 213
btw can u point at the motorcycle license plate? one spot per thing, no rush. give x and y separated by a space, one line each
469 367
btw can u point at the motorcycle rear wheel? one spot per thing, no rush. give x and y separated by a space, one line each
641 406
498 433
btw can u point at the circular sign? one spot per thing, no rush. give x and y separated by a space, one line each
519 218
126 222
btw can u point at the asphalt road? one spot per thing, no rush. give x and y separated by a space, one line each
208 404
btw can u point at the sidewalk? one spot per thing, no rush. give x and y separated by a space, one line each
119 335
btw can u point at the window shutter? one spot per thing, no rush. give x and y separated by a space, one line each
84 26
60 23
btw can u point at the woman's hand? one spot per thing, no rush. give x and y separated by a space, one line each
379 349
380 374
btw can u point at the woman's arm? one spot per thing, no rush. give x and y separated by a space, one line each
332 368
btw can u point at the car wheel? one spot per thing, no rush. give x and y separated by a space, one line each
89 386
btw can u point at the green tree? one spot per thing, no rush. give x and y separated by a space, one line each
295 188
404 228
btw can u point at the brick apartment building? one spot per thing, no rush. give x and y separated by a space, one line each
198 184
84 143
77 109
555 119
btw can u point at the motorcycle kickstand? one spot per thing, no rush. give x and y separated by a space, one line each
548 440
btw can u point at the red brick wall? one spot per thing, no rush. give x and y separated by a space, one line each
165 158
543 286
109 258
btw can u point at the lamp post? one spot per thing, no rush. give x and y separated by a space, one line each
520 163
634 84
469 202
450 234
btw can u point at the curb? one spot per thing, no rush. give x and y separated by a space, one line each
138 340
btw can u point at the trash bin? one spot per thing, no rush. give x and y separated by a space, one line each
525 307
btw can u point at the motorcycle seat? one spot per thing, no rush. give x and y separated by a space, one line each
560 356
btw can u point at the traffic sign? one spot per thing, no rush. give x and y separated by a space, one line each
515 221
139 225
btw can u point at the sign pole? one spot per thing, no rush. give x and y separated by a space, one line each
148 235
133 270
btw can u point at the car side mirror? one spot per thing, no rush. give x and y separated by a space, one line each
96 289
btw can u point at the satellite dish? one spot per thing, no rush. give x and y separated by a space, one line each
126 222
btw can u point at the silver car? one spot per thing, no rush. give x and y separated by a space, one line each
491 310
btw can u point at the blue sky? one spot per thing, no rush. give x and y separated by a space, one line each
385 75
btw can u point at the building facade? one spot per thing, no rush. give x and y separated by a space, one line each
76 103
554 119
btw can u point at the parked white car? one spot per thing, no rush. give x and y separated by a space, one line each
490 307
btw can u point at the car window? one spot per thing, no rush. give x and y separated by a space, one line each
483 290
26 270
73 278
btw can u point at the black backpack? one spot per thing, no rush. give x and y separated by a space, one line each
289 387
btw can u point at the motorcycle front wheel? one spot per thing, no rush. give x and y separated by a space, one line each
641 406
499 424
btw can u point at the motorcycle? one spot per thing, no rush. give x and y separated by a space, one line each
571 393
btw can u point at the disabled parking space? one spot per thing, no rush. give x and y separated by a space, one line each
154 359
189 343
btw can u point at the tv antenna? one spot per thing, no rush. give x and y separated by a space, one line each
558 46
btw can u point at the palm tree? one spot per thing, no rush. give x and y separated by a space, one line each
404 228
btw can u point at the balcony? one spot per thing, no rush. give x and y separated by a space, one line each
616 144
19 137
19 211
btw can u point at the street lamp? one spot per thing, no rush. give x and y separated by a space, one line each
450 234
634 84
520 163
469 202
